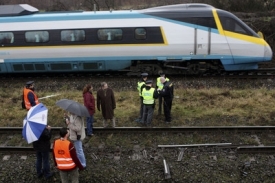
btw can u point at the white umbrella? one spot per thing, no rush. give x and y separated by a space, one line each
35 122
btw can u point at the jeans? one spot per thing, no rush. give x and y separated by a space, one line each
90 121
79 152
42 158
66 175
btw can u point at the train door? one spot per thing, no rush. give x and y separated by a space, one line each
202 42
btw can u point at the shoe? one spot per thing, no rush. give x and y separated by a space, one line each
40 175
50 175
138 120
90 135
167 122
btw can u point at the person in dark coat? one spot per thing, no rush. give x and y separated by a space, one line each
167 92
106 103
89 102
42 147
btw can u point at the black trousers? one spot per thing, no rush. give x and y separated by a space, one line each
141 108
160 105
167 105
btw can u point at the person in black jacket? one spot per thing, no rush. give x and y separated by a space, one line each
167 92
42 147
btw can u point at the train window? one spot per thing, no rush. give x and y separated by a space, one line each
140 33
72 35
6 37
232 25
109 34
37 36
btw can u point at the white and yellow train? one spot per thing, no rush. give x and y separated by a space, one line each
182 38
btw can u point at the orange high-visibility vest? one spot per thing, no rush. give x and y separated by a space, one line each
62 155
26 100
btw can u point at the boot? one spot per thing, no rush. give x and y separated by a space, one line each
114 122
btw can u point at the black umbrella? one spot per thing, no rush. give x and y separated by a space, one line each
73 107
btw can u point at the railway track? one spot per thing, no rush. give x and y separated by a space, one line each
262 73
11 131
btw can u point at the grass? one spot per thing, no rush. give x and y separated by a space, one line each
191 106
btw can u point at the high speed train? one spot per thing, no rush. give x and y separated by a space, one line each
182 38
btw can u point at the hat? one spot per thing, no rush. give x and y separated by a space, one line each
144 74
161 73
29 82
149 82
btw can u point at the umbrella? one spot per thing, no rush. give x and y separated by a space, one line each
35 122
73 107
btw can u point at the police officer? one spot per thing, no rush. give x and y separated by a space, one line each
159 87
167 93
140 86
30 99
149 95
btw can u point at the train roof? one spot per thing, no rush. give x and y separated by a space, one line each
17 10
179 7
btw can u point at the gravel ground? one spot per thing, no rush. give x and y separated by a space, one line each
136 158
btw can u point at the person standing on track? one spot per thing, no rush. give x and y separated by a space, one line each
65 158
42 148
140 86
77 134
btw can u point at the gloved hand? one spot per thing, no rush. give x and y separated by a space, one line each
78 137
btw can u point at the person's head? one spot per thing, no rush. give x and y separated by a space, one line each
162 79
64 132
87 88
30 84
104 85
162 74
144 76
149 83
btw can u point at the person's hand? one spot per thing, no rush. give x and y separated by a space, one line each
78 137
67 121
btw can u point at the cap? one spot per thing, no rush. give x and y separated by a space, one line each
161 73
149 82
144 74
29 82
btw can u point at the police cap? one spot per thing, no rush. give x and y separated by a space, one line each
161 73
29 83
149 82
144 74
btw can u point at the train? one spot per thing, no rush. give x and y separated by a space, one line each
188 38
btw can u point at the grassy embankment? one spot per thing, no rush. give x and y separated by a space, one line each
191 107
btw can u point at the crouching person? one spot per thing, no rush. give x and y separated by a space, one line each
65 158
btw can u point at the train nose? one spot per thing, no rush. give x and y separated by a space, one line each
268 54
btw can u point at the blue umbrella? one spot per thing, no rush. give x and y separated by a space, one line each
35 122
